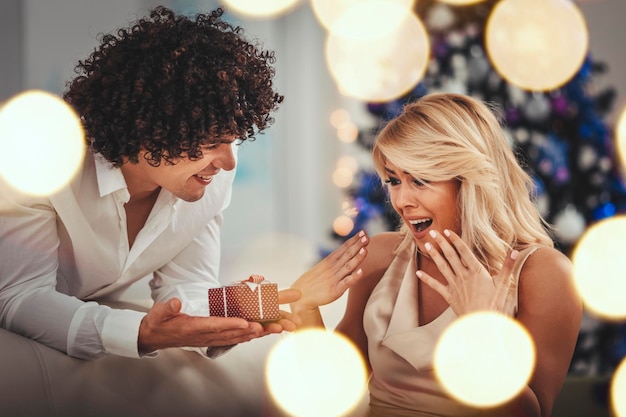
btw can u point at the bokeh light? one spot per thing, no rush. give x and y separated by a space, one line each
536 44
348 133
343 225
313 373
484 359
461 2
361 19
599 267
42 142
340 118
381 69
621 137
618 390
348 162
260 8
343 176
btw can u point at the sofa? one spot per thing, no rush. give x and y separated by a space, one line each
37 381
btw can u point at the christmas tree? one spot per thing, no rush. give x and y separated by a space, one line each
558 135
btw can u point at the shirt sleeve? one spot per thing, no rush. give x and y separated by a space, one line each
30 304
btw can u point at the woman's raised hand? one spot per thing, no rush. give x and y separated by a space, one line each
333 275
470 286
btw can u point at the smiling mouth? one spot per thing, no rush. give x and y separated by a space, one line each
204 177
421 225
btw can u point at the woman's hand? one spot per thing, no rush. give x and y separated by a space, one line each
470 287
333 275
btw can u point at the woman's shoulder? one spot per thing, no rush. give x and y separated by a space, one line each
547 272
547 260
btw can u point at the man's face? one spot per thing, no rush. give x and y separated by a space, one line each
186 179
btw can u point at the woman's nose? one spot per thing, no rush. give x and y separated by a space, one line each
403 197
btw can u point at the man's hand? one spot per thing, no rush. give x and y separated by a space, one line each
288 321
165 326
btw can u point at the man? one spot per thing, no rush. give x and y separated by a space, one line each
164 103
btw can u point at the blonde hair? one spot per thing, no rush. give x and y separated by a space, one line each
446 136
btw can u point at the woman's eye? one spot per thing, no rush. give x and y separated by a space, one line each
419 183
392 181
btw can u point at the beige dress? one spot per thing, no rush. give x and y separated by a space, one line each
403 382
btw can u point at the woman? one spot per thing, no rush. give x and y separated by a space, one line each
471 239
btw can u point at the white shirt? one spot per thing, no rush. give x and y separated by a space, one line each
59 254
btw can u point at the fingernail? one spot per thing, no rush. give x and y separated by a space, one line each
514 254
361 233
359 271
428 246
363 239
446 232
419 274
432 233
362 251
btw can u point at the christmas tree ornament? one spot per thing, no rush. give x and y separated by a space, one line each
440 17
569 224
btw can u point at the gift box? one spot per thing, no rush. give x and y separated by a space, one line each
254 299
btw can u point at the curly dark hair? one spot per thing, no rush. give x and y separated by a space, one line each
169 84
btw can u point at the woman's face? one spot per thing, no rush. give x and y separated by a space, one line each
423 207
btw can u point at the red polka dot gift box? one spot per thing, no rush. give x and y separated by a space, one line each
254 299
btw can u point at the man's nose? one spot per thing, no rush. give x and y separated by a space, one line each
226 157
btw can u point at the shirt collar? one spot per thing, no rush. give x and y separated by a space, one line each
110 178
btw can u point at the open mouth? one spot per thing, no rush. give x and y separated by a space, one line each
421 225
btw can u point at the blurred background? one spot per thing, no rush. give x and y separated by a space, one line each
307 184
